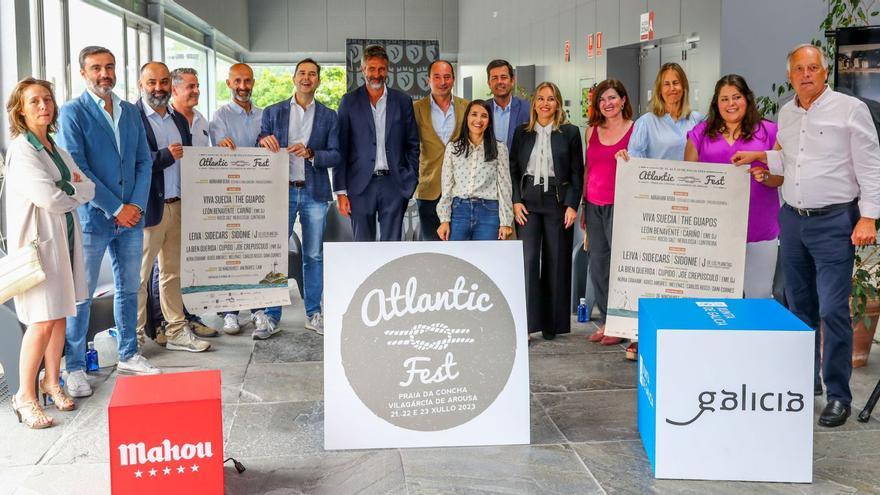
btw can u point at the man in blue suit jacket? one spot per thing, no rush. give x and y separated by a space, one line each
106 138
308 131
379 143
508 111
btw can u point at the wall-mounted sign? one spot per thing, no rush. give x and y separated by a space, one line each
599 44
425 345
646 26
567 50
590 45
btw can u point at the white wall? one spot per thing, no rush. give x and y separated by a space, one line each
282 28
228 16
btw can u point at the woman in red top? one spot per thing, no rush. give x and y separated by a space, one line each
609 130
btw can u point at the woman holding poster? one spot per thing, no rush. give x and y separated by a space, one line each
733 125
662 133
475 182
546 170
609 131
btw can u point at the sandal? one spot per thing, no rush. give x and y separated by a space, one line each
609 340
632 352
31 414
598 335
59 397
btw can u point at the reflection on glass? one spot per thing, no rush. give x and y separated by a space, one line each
53 36
90 25
180 54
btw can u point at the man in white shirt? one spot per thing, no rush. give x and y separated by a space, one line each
307 130
828 153
167 134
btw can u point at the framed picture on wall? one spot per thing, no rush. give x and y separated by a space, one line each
857 62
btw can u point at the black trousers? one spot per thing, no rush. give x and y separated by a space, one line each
547 248
429 222
599 226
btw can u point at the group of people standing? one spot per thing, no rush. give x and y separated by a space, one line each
479 170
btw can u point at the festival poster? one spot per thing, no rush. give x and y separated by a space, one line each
679 231
233 229
425 345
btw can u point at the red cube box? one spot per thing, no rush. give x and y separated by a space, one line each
166 434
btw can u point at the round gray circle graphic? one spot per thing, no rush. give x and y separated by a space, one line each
428 342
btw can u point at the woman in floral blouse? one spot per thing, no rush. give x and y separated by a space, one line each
475 200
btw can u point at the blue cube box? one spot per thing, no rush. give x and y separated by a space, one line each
725 390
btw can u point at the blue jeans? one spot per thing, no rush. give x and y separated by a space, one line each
474 220
126 248
312 217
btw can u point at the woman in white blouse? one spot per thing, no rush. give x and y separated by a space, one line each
45 188
475 199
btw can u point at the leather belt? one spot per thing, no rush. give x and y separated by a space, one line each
381 173
551 181
299 184
168 201
815 212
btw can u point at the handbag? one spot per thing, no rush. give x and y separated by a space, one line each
23 269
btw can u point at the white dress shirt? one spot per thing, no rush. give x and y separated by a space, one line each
166 133
199 130
829 155
379 121
299 130
231 121
443 123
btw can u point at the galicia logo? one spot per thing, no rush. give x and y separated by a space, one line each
133 454
745 401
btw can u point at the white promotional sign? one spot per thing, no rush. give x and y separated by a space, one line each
679 231
425 345
233 229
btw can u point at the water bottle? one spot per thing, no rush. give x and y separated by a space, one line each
91 358
107 347
582 310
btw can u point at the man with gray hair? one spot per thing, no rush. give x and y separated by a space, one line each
105 136
167 133
828 153
185 94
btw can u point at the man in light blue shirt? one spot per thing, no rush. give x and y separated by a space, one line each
238 122
167 133
508 111
439 118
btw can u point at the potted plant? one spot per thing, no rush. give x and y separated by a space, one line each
864 301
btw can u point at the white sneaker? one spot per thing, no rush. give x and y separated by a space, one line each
137 365
316 323
230 324
77 384
263 326
184 340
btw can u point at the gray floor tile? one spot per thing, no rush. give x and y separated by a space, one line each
363 472
497 470
74 479
571 343
578 372
543 431
276 382
593 416
290 346
284 428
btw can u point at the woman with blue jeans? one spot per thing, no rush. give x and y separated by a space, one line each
475 199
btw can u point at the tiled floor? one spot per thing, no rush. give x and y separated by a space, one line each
584 437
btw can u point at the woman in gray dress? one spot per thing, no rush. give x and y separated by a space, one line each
43 191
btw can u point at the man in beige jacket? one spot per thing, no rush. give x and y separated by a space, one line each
439 118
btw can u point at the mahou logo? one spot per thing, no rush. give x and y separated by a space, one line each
744 401
135 454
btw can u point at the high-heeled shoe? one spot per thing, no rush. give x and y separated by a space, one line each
62 401
31 414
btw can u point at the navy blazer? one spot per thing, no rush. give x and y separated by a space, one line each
162 159
324 142
120 176
357 142
568 162
519 114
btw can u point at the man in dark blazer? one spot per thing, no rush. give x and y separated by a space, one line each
379 145
308 131
105 137
167 133
508 111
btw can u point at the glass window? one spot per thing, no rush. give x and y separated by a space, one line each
90 25
179 54
131 50
221 93
53 36
274 83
